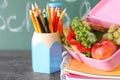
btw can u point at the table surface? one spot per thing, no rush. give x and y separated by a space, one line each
16 65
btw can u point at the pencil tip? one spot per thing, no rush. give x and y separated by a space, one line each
36 4
44 10
30 12
47 6
33 7
65 9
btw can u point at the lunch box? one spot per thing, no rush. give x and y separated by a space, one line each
108 64
105 13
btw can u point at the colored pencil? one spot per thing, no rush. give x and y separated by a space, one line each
40 24
38 11
46 21
62 14
33 20
37 23
56 21
60 23
49 19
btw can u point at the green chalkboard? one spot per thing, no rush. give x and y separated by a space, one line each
16 28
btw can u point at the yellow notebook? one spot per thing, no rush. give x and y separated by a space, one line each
78 68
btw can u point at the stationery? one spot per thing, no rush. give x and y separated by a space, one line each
50 21
40 23
38 11
33 20
37 23
54 16
56 21
46 21
60 24
79 68
46 43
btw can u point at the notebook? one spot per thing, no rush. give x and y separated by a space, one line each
78 68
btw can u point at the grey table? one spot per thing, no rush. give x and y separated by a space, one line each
16 65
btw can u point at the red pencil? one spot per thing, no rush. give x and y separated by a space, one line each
54 16
56 21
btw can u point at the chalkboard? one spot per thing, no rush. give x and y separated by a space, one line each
16 28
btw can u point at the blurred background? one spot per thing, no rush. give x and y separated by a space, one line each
16 28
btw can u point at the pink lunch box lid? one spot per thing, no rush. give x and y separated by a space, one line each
107 10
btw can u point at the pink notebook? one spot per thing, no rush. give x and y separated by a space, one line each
78 77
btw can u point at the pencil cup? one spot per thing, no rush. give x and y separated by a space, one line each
46 52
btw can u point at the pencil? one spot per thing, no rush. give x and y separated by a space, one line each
37 23
40 24
46 21
60 28
33 20
56 21
60 23
37 9
49 19
62 14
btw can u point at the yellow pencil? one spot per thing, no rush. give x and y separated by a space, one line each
49 19
62 14
37 24
60 23
33 20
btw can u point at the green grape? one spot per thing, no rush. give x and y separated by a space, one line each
118 30
110 36
117 41
104 36
116 34
112 28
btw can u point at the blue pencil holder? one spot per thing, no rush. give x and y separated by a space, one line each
46 52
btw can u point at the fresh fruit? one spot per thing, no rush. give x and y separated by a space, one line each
117 41
103 49
108 36
116 34
112 28
113 34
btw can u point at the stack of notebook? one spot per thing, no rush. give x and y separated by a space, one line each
75 70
